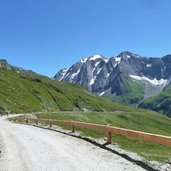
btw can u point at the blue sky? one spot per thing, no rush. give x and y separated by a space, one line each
47 35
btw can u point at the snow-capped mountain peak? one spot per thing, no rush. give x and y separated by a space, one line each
108 76
95 57
83 60
118 59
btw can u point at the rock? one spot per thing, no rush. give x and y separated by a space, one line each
115 76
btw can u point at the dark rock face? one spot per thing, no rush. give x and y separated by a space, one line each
100 75
4 64
167 66
84 72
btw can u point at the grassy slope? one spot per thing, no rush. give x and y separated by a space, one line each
141 120
160 103
28 92
131 92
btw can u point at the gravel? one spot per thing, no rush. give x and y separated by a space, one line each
28 148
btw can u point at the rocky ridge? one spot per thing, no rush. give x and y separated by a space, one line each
115 76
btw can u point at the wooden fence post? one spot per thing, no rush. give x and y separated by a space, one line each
109 136
50 125
73 128
27 121
36 122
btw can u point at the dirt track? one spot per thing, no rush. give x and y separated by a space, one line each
30 148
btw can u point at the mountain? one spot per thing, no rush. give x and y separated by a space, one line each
26 91
160 103
128 78
6 65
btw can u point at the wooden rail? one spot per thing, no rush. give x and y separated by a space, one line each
155 138
4 114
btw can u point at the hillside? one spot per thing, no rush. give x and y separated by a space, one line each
26 91
160 103
127 91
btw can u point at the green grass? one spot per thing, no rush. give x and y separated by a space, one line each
128 91
30 92
160 103
141 120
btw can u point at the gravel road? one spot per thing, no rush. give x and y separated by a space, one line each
28 148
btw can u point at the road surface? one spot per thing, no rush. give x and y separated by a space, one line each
28 148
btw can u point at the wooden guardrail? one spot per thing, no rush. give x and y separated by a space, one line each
4 114
155 138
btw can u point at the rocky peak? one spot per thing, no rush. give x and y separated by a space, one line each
4 64
94 58
128 55
118 74
3 61
60 75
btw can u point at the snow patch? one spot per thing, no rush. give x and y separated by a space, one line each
91 81
118 59
64 71
101 94
99 71
93 70
154 82
83 60
95 57
75 74
97 63
115 65
106 60
108 74
128 56
148 65
67 75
